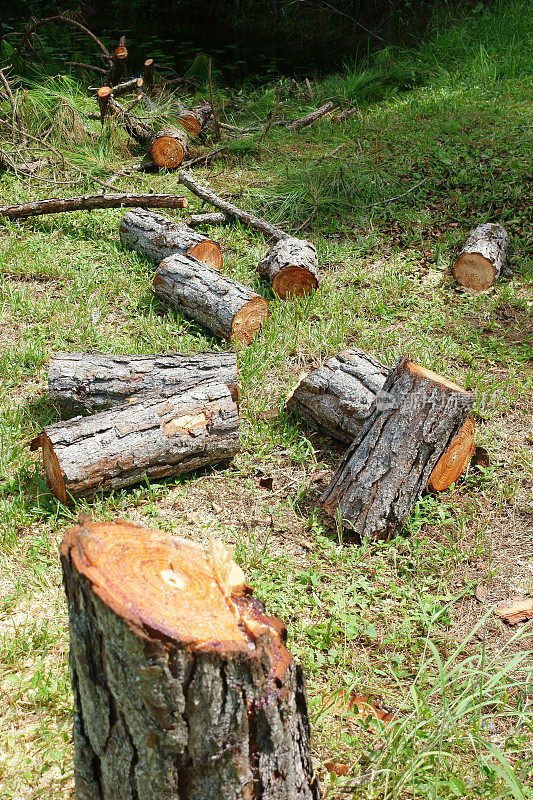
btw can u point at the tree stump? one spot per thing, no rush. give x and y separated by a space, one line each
156 237
88 382
339 396
148 75
195 120
168 147
291 266
482 258
226 307
183 686
151 436
103 96
389 463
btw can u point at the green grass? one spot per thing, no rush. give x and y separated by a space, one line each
447 129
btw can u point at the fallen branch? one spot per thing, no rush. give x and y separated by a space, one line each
80 65
215 218
75 24
127 86
57 205
309 118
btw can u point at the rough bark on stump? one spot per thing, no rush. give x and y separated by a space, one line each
151 436
81 382
183 686
168 147
291 266
195 119
339 396
216 302
157 237
482 257
388 465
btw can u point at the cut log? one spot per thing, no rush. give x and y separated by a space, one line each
309 118
58 205
148 74
291 266
216 302
150 436
195 120
81 382
168 147
183 686
339 397
482 258
117 69
133 85
103 95
156 237
383 472
214 218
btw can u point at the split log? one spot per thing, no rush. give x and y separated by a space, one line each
482 258
58 205
291 266
215 218
216 302
81 382
309 118
195 120
183 686
168 147
389 464
150 436
339 397
156 237
148 74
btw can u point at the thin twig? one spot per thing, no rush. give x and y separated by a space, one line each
396 197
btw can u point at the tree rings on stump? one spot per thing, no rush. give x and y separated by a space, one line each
168 148
454 460
482 258
183 686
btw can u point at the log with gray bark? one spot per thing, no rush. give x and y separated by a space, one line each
88 382
195 120
291 266
339 397
311 117
216 302
183 686
213 218
58 205
156 237
389 464
132 85
482 258
151 436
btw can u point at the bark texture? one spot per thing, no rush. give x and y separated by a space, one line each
182 690
135 84
58 205
482 258
151 436
88 382
195 120
388 465
156 237
168 147
215 218
291 266
224 306
310 118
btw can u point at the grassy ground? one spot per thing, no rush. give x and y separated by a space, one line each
448 129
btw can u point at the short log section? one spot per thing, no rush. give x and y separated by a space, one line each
216 302
389 464
482 258
291 266
156 237
195 120
88 382
151 436
183 686
168 147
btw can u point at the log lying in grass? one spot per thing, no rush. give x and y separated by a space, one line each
183 686
291 266
81 382
339 397
214 218
481 260
168 147
195 119
310 118
221 305
58 205
150 436
156 237
390 462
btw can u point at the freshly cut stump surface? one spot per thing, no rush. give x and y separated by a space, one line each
213 300
482 258
454 460
156 237
388 465
291 266
154 435
168 147
80 382
183 686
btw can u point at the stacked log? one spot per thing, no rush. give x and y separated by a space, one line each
183 686
389 464
216 302
88 382
482 258
154 435
156 237
291 266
